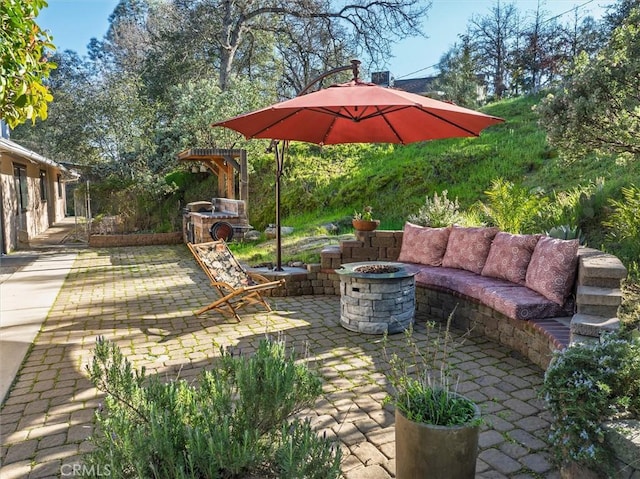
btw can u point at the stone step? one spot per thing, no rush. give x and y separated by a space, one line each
599 296
599 282
589 325
600 269
580 339
597 310
597 301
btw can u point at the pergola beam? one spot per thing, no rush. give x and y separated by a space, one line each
223 163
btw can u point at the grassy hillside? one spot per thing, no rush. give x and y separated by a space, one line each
328 184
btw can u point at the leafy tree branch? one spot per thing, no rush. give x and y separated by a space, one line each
24 62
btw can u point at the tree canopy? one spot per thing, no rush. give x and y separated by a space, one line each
165 71
23 62
598 107
196 38
459 80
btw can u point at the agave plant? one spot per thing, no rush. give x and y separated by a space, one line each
567 232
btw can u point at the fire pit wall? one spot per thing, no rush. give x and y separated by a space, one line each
376 297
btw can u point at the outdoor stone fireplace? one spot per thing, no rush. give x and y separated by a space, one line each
376 297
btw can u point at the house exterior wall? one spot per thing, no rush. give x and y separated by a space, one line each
21 224
8 199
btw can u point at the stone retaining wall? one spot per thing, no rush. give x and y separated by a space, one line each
535 339
313 280
624 437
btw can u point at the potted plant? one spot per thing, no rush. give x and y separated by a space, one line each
437 429
363 221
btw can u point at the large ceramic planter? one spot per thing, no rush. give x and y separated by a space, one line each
365 225
436 452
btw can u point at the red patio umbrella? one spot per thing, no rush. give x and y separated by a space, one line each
357 112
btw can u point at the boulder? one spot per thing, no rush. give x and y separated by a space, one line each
270 232
252 235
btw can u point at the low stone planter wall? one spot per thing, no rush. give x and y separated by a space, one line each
145 239
311 280
623 436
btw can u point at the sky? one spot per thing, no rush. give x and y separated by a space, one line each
72 23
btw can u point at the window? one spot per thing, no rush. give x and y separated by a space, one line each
59 181
22 189
43 185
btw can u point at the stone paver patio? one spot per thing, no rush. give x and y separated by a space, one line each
143 298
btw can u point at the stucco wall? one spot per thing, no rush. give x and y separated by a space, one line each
18 227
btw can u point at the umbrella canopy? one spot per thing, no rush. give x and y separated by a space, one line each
359 112
355 112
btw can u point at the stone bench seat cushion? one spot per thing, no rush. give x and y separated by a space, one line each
510 299
523 303
509 257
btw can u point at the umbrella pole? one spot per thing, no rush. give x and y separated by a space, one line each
279 150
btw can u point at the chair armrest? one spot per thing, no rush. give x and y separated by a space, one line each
258 278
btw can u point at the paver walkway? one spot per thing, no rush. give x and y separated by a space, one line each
143 298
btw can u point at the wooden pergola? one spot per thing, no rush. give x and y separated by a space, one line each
225 164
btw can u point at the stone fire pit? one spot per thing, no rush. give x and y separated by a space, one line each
376 297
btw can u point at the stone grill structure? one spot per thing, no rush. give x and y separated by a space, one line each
376 298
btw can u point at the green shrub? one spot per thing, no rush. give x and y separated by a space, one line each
143 205
585 385
512 207
575 207
236 421
624 224
438 212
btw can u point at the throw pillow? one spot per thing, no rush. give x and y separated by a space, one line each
468 248
553 268
509 257
423 245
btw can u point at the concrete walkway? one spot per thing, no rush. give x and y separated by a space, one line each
29 284
143 298
26 297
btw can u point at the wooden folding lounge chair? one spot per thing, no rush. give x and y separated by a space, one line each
236 286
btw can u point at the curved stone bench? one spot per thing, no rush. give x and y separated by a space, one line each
597 296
